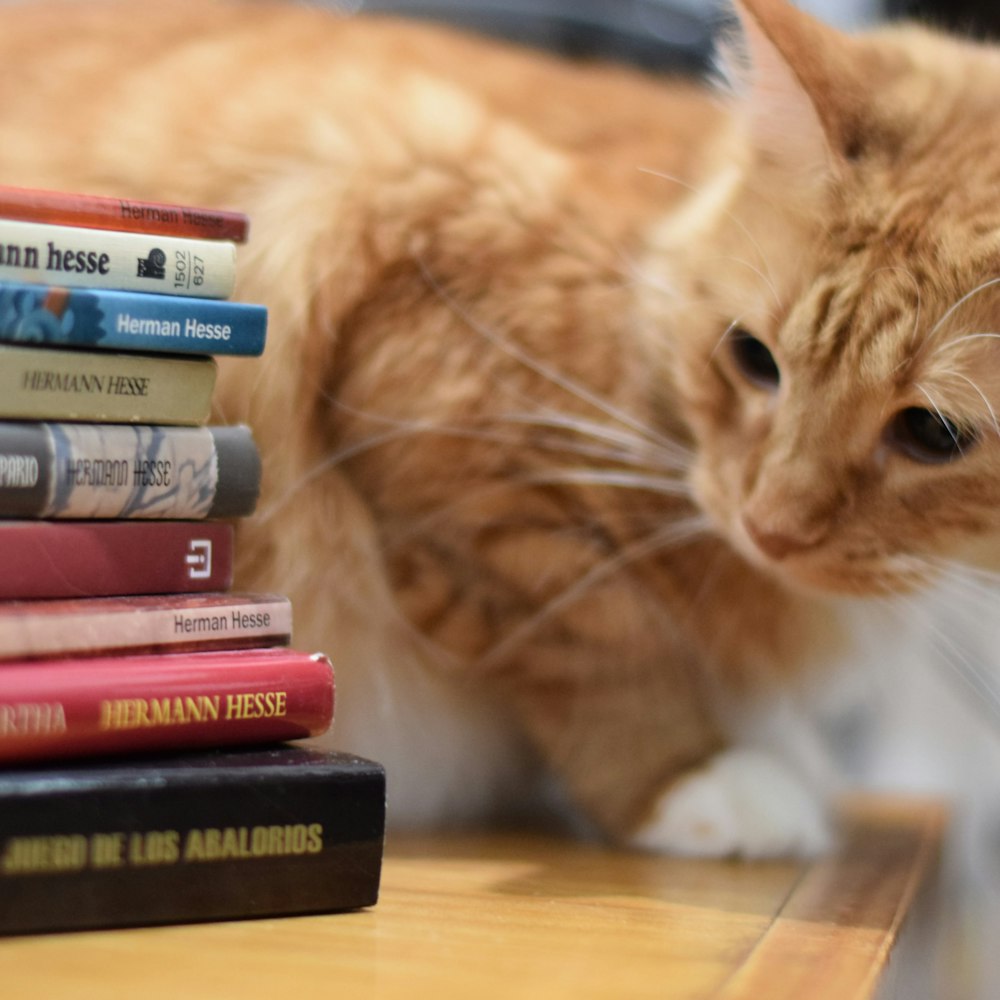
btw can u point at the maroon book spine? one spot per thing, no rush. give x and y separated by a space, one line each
93 211
46 559
124 704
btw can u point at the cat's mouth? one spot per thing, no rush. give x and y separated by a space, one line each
822 558
831 571
830 565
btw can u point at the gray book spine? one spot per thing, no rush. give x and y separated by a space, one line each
96 471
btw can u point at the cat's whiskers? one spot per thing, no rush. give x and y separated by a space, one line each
952 373
448 513
907 568
726 334
979 686
945 422
657 283
939 325
987 577
635 450
969 594
649 280
394 434
479 496
552 375
676 533
609 477
673 460
622 447
266 512
951 344
974 584
764 274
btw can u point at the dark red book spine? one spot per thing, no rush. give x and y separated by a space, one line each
114 705
93 211
46 559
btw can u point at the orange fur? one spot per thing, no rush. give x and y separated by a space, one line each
506 443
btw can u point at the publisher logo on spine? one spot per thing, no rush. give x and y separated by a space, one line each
199 559
153 266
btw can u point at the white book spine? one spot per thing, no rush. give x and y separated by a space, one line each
97 258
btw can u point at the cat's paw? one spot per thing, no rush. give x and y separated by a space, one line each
742 803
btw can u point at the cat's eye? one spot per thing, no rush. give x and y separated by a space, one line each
928 436
754 359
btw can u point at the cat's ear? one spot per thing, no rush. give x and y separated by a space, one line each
803 84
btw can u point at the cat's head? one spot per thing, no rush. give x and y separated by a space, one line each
832 298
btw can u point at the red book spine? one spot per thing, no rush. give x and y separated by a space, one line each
93 211
47 559
112 705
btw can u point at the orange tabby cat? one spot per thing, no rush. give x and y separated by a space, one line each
584 391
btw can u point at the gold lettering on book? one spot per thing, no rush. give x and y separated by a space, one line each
107 850
154 847
101 851
257 705
30 855
144 713
234 843
32 719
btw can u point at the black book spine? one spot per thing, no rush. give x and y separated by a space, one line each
143 844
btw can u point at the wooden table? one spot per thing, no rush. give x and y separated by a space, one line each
524 916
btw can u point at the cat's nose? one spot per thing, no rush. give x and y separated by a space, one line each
779 544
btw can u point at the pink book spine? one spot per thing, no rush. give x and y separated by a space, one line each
168 623
114 705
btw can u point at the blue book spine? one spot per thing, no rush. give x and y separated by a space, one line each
129 321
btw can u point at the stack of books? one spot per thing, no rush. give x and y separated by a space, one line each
142 702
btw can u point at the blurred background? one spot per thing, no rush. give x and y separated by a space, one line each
662 34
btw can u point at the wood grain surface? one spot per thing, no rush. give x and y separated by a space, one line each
527 916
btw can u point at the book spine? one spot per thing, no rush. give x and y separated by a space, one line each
145 848
49 383
94 626
115 705
129 321
97 258
64 559
103 471
98 212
